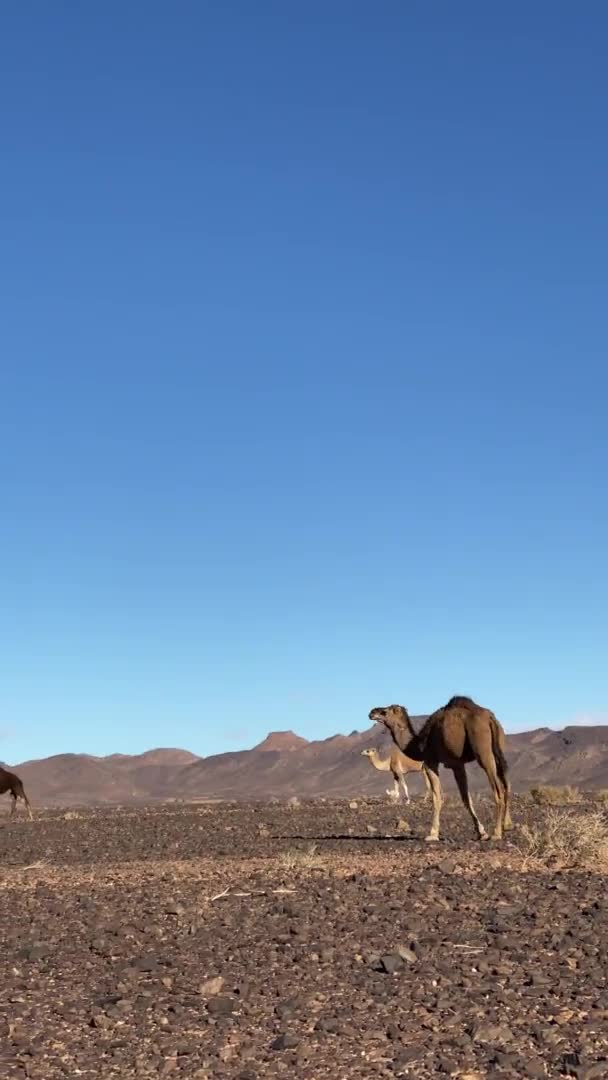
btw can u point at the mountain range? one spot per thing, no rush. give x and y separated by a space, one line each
284 765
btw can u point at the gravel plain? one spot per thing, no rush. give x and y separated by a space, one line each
320 940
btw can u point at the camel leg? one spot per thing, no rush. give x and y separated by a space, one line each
427 785
29 809
460 776
433 771
404 787
394 791
13 803
489 767
507 823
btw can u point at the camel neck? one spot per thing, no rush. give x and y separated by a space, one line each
407 741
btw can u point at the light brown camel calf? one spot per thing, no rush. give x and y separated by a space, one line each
10 782
453 736
398 764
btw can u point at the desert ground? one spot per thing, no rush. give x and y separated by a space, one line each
322 939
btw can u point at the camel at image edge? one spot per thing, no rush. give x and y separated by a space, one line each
398 764
455 735
9 781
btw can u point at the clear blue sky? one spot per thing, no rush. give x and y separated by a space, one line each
303 391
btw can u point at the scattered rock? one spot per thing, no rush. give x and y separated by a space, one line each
493 973
391 963
291 1007
174 908
447 866
221 1005
39 950
285 1042
328 1024
492 1034
211 986
409 1054
407 954
146 963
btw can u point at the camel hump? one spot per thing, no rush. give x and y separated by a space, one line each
459 701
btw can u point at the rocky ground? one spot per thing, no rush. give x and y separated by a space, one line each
313 941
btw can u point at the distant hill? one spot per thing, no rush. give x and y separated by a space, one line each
284 764
81 778
282 741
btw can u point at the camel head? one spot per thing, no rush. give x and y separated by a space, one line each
396 720
369 753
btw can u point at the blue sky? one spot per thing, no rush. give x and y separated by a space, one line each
303 384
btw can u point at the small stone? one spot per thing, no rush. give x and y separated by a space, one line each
403 826
286 1009
285 1042
570 1060
174 908
353 805
101 947
100 1020
329 1024
447 866
371 829
532 1068
39 950
146 964
391 963
220 1006
491 1033
211 987
505 1059
407 954
408 1055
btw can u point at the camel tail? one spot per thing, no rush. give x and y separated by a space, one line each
502 767
19 792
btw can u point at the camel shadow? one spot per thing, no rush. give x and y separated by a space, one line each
348 836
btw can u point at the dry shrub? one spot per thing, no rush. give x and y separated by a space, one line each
601 795
544 795
71 815
293 802
568 839
301 859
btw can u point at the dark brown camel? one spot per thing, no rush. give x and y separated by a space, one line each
12 783
453 736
